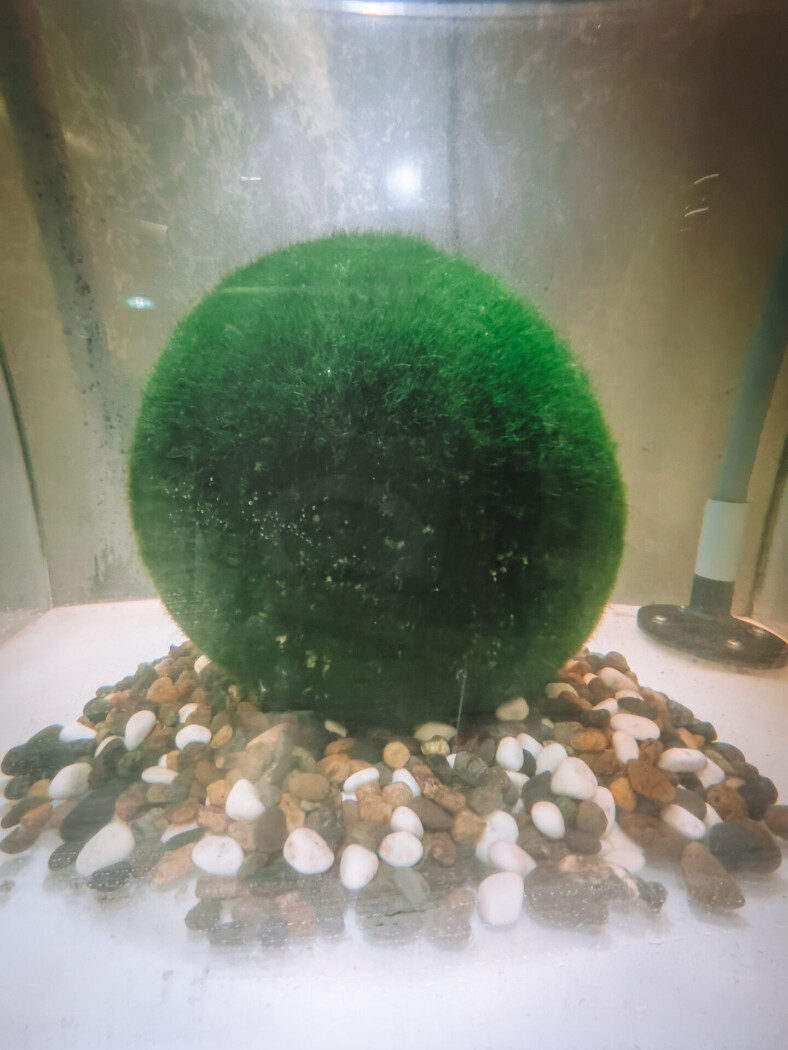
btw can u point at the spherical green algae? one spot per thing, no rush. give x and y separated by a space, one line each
370 479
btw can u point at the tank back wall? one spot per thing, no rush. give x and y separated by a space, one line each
623 165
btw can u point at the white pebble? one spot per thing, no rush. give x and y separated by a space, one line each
604 799
529 743
177 829
185 711
636 725
548 819
192 734
162 760
712 816
400 849
681 820
357 867
682 760
107 740
625 746
217 855
76 731
451 759
618 848
71 781
508 856
550 757
499 826
573 778
404 776
404 819
334 727
201 663
518 779
500 898
307 852
158 775
363 776
509 754
554 689
711 774
137 728
614 679
513 710
428 730
114 843
243 802
607 705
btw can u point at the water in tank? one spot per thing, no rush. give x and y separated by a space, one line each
393 547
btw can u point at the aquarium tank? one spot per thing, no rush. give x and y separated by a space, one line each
393 529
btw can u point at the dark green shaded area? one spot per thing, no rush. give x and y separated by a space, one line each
364 471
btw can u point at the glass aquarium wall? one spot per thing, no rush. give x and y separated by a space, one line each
620 164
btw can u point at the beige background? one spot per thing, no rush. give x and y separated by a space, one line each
562 150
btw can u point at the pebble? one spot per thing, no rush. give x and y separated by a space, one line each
71 781
610 705
400 849
19 840
681 820
617 680
529 743
428 730
217 855
550 757
357 867
498 826
192 734
682 760
243 802
625 746
593 818
776 820
76 731
158 775
367 775
636 725
711 774
113 843
307 852
513 710
137 728
509 754
404 776
658 839
508 856
573 778
173 864
620 850
500 898
395 754
548 819
404 819
91 812
106 742
650 782
744 845
708 882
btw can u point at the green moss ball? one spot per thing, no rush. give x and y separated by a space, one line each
371 480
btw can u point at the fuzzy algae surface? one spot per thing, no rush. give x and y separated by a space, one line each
368 477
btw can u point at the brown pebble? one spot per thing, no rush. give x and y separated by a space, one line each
395 754
396 794
691 740
205 772
217 792
340 746
602 763
422 774
130 803
38 817
163 691
650 782
172 760
440 846
271 829
432 817
467 828
451 801
156 794
19 840
654 836
650 751
368 792
310 786
581 841
591 818
40 789
221 737
335 768
243 831
485 799
589 740
776 820
727 802
367 833
375 809
184 812
174 864
708 883
213 819
624 796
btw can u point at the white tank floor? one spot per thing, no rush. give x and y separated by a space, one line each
128 975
